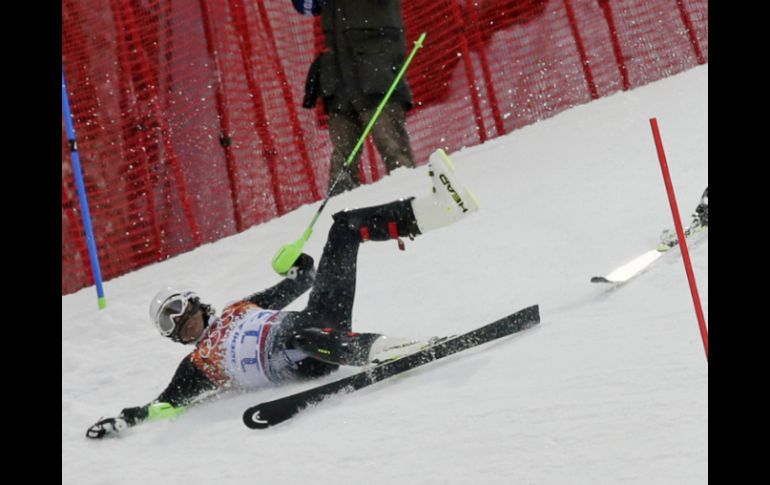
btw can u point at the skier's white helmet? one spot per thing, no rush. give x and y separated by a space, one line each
171 307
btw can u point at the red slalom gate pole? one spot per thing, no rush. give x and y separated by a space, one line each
680 235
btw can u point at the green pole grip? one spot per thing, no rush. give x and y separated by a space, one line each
163 410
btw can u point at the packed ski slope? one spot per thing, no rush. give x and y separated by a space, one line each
611 387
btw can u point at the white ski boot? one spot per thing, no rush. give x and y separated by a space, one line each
386 349
450 200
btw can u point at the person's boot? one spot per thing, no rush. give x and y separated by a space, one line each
385 349
357 349
335 346
449 201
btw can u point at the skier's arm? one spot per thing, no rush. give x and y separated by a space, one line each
188 386
299 280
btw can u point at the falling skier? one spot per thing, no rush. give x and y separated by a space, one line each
254 343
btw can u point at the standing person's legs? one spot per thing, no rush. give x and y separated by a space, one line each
344 131
390 136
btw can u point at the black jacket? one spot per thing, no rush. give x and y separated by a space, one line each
365 47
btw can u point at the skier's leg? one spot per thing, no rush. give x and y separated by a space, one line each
331 300
350 348
333 293
323 328
335 346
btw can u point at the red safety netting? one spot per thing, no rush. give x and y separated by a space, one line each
188 116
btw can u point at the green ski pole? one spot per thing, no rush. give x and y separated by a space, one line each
285 258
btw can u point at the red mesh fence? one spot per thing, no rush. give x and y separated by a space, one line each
188 116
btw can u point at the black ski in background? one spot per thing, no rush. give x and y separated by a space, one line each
270 413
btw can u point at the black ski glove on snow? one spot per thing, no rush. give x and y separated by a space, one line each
106 427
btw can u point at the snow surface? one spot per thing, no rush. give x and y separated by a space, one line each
611 387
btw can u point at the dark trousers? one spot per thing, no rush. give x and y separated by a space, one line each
331 298
390 138
330 304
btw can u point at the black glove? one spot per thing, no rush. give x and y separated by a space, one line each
302 267
308 7
105 427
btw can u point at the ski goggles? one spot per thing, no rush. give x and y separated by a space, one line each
171 310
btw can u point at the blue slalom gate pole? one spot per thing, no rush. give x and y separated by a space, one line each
81 186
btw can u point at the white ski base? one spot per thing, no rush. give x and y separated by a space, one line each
630 269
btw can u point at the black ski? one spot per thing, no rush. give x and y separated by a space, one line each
270 413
